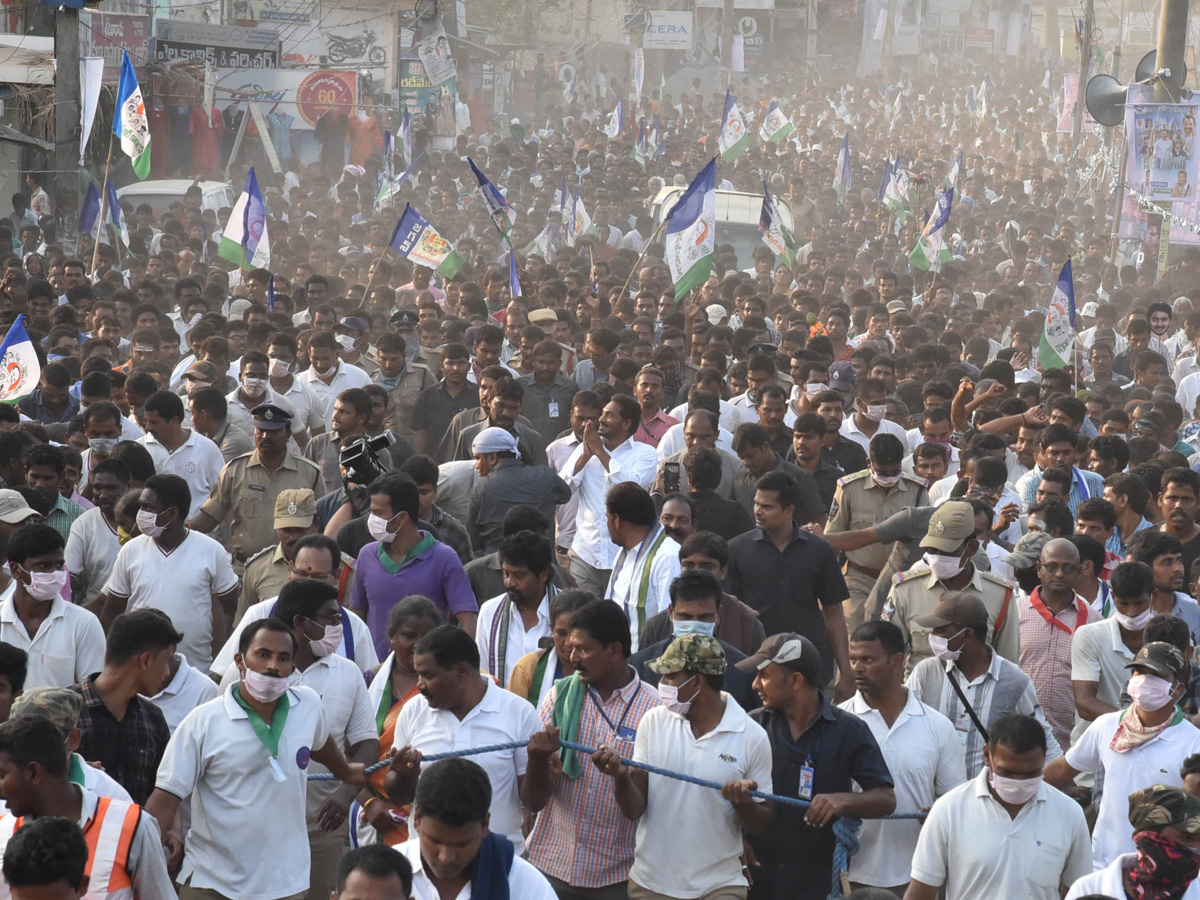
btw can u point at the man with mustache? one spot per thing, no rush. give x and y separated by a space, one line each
1178 501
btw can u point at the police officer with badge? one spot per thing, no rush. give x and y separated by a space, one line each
248 487
949 544
267 570
863 499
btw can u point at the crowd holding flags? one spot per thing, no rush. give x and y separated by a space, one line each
775 125
842 174
692 232
931 250
734 139
244 240
1058 337
775 234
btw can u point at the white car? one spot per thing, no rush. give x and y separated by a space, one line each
737 218
161 194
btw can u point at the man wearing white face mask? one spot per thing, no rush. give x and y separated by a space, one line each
1146 741
311 608
253 390
861 500
968 682
217 761
870 416
1006 833
65 643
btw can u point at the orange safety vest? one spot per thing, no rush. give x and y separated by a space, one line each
109 836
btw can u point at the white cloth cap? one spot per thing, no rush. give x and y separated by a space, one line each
495 440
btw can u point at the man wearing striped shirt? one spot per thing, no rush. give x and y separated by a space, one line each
582 842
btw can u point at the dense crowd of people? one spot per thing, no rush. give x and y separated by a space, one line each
827 528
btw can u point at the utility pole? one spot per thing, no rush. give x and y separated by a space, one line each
1085 60
889 32
726 44
1172 48
66 124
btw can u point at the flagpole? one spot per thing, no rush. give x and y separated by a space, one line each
625 286
103 203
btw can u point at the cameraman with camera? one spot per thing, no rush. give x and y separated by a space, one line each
351 412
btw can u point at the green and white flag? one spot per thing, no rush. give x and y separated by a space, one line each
931 250
130 124
896 193
692 232
775 125
734 139
18 363
1058 337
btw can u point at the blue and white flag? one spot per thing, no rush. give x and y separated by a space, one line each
503 215
117 215
775 125
733 139
931 249
19 366
775 234
406 135
613 126
842 175
89 214
418 242
692 232
886 182
514 283
271 294
896 197
951 179
130 124
1058 337
245 241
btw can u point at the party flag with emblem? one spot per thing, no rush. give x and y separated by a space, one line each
418 242
775 234
842 176
887 180
640 152
245 241
514 283
1054 350
89 215
613 127
896 196
931 250
130 124
406 135
117 215
503 215
692 231
579 222
775 125
734 139
951 179
18 363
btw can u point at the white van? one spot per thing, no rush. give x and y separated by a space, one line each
161 194
737 218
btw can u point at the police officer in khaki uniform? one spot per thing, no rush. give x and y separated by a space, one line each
403 381
267 570
863 499
404 323
247 488
949 544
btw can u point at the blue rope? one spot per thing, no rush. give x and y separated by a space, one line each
845 828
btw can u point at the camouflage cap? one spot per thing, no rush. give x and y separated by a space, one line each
1027 551
61 706
1160 806
698 653
1163 659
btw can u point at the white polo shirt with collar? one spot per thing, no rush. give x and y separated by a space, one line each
851 430
524 881
67 648
1157 761
188 689
520 641
324 394
198 461
248 837
679 819
1098 654
500 717
925 758
977 850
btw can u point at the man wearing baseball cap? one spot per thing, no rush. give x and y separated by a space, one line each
1150 736
817 751
949 544
267 571
1166 832
700 730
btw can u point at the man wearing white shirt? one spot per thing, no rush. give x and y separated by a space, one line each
460 708
181 451
648 560
918 743
585 407
870 417
281 358
513 624
187 687
607 456
311 608
327 375
92 545
1006 833
64 642
254 390
451 810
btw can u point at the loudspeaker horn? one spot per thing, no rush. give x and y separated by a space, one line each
1104 98
1147 67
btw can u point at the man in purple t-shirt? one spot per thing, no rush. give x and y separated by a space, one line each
404 561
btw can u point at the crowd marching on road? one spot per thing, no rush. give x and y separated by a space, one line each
375 575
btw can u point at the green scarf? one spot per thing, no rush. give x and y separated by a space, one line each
268 734
569 696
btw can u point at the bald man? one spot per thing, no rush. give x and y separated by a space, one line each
1048 618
